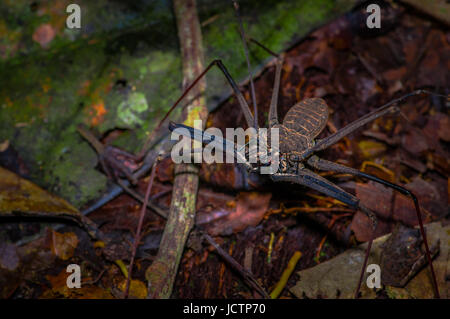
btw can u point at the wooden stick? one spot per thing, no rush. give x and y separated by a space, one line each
161 274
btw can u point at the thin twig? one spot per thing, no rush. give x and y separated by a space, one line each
146 202
246 275
137 236
285 276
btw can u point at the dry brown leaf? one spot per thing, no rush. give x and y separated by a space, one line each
370 149
414 141
379 199
439 9
20 197
429 199
438 127
63 245
9 258
249 211
137 289
338 277
60 290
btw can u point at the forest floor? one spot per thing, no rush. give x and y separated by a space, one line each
262 224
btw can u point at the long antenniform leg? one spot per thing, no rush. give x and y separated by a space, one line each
273 110
310 179
252 120
241 100
325 165
390 107
249 67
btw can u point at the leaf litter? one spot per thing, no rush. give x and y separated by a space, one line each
354 72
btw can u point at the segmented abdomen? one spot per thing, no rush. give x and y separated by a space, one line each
307 117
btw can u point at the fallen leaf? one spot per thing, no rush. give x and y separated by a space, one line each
20 197
63 245
60 290
249 211
441 163
370 149
438 127
437 8
378 198
59 280
420 286
414 141
434 61
9 259
9 282
429 198
403 255
137 289
412 162
35 256
338 277
335 278
394 75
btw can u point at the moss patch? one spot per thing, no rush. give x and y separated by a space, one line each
121 70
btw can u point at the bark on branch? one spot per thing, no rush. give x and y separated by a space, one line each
161 274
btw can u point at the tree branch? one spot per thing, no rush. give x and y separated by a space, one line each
161 274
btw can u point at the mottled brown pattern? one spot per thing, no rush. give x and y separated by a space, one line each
292 141
402 256
302 123
307 117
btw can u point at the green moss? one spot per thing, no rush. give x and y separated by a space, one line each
44 94
40 109
69 177
130 111
158 75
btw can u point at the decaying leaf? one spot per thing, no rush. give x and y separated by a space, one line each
436 8
9 259
392 206
420 286
19 264
438 127
371 149
403 253
379 199
63 245
429 199
338 277
249 211
137 288
20 197
60 290
414 141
